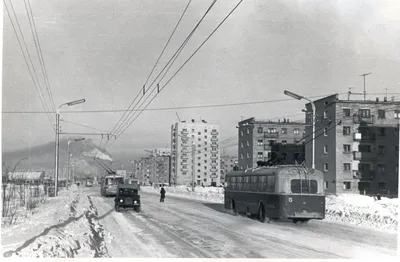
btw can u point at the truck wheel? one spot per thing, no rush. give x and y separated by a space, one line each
137 209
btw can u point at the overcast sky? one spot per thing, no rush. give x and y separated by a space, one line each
103 51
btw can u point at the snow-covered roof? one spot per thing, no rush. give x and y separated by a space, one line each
35 175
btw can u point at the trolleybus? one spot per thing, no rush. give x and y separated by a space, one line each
277 192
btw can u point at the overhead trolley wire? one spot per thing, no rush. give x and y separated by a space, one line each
173 32
35 36
184 63
172 60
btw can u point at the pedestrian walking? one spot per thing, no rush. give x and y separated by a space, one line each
162 192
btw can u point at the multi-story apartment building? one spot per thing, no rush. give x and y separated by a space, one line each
153 169
358 150
261 140
195 153
227 164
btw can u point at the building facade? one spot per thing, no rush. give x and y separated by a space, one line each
356 145
153 169
261 140
195 153
227 164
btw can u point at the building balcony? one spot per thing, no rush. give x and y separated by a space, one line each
213 170
364 175
214 157
184 132
271 135
267 147
214 133
364 156
214 139
371 137
357 119
184 156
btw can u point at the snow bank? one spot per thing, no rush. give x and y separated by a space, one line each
364 211
97 153
349 209
63 227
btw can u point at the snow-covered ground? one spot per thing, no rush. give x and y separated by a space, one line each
349 209
64 226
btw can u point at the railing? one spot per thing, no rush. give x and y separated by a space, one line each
271 135
364 156
357 119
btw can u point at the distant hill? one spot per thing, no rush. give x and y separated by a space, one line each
42 158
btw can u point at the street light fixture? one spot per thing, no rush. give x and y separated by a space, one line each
70 155
298 97
80 101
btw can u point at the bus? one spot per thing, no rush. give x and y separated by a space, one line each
278 192
109 185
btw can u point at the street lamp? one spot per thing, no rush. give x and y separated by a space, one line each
80 101
298 97
70 155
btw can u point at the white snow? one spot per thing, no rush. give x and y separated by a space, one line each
62 227
97 153
349 209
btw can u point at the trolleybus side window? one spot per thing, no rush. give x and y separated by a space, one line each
271 184
239 183
253 184
263 184
233 183
311 188
246 183
227 182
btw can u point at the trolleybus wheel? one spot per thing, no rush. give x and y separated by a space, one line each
261 213
233 208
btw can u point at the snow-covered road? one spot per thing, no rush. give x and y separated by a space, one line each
188 228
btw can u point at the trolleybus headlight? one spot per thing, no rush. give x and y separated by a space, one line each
121 200
135 202
290 199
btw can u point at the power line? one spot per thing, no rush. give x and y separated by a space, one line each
26 60
172 59
160 109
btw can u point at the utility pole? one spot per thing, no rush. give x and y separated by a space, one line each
57 153
193 163
365 92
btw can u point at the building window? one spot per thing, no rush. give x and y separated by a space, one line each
382 185
381 150
325 131
397 114
326 185
247 143
199 164
248 155
284 130
364 113
346 166
325 114
325 149
346 185
248 131
260 142
346 112
296 131
260 155
271 130
326 167
382 131
241 144
346 130
381 114
364 148
241 133
346 148
260 130
381 168
284 142
205 130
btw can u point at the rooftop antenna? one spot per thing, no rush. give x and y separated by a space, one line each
365 92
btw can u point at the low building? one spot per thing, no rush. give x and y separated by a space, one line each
30 177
